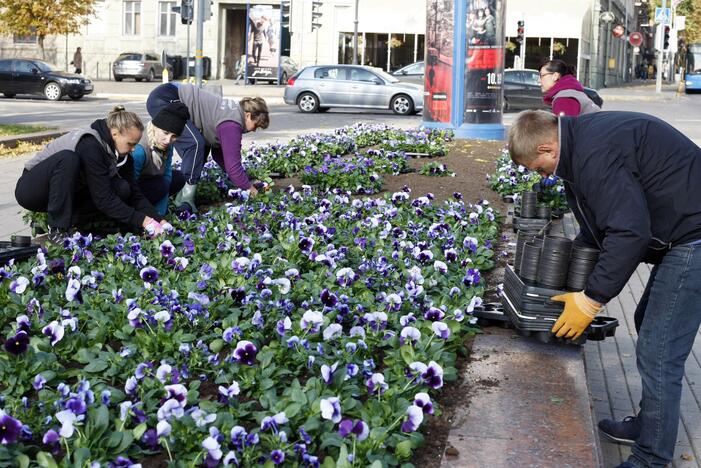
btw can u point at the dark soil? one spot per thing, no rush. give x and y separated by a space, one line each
471 161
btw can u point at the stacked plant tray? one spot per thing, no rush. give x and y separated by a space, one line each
18 249
531 310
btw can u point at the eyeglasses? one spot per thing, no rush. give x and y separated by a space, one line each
545 74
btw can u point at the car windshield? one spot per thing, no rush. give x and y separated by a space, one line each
385 76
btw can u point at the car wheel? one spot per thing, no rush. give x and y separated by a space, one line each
118 78
308 102
505 105
76 97
11 95
283 78
151 75
402 104
52 91
139 79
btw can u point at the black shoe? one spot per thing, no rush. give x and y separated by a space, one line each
624 432
183 210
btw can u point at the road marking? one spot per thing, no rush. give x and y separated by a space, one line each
687 120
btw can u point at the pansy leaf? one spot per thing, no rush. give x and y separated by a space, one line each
96 366
127 440
403 449
98 419
139 430
22 461
292 410
331 439
407 353
46 460
114 439
329 462
80 455
342 461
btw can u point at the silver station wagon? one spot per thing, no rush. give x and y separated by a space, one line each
317 88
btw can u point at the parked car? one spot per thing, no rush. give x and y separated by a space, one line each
522 90
29 76
317 88
140 66
413 73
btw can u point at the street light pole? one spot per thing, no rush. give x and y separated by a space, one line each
199 41
658 78
625 41
355 35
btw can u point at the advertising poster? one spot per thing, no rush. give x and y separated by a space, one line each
263 42
484 61
438 77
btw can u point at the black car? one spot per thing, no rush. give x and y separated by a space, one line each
29 76
522 91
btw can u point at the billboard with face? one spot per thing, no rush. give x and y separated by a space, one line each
484 61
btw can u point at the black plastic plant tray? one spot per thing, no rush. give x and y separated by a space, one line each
8 252
602 327
526 223
495 314
518 286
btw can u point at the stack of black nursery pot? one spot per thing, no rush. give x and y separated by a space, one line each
547 266
529 214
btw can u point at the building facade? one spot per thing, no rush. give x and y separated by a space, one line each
391 34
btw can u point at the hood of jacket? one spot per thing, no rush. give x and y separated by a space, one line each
565 82
100 125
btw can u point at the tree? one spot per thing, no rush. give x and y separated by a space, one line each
692 10
44 17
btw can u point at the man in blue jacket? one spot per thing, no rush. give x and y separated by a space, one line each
633 183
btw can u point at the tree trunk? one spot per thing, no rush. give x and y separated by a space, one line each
41 46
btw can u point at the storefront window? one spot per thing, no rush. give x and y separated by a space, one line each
401 50
376 50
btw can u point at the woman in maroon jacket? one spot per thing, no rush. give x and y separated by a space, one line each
561 90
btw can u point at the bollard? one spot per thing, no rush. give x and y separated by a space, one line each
164 76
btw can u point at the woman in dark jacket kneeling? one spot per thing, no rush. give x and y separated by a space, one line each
87 172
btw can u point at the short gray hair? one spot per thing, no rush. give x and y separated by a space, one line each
530 129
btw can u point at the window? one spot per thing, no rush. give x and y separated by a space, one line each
152 58
5 66
330 74
358 74
531 78
24 66
415 69
132 17
166 19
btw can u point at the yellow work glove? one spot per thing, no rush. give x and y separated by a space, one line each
578 314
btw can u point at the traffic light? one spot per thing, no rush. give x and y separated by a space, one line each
316 15
208 10
285 13
665 38
185 11
520 30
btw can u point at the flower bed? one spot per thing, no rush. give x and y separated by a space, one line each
299 328
510 179
435 169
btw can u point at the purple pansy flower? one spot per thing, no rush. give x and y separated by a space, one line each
331 409
245 352
277 456
18 343
441 330
415 416
55 331
423 401
10 428
149 274
358 428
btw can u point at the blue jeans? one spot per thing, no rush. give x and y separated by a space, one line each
190 145
667 319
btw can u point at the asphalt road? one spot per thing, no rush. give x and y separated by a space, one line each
285 121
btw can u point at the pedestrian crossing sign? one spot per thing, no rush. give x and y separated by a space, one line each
663 15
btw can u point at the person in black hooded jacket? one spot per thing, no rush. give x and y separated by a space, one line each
632 182
87 172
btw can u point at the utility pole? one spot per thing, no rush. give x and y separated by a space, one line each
199 42
658 78
187 54
625 42
355 35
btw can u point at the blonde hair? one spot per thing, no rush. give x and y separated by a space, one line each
121 120
157 154
258 109
531 129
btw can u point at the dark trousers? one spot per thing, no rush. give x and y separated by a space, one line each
51 187
190 144
156 188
